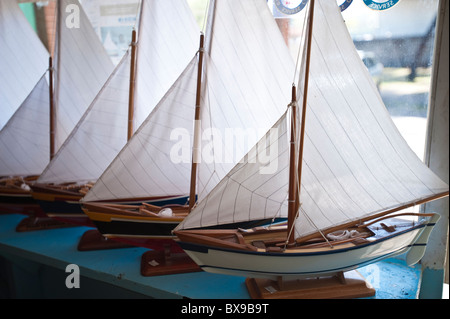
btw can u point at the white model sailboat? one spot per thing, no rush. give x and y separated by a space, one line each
355 170
23 108
25 149
145 73
80 69
247 68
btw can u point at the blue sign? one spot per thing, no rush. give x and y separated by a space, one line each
345 4
380 5
282 6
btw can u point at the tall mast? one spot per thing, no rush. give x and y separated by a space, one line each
298 183
196 124
52 92
293 186
132 84
52 109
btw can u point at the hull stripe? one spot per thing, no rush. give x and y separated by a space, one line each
204 249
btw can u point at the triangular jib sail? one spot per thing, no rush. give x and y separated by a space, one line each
98 136
81 66
24 140
23 59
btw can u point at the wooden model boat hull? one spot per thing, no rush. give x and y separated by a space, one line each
15 196
19 202
66 211
139 230
16 199
66 206
308 262
61 205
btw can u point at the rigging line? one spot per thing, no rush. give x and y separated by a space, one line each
300 208
137 22
205 16
307 216
300 46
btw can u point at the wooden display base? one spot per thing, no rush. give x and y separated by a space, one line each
33 223
94 240
159 263
342 286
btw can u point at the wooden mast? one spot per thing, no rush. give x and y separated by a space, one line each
52 90
196 125
297 185
132 84
52 109
293 186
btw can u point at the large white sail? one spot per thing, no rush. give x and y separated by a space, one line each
25 139
98 137
355 161
146 159
166 43
247 73
250 191
82 66
23 59
168 39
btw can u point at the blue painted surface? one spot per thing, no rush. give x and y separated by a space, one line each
432 284
55 249
393 279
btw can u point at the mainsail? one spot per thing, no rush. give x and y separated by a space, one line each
164 47
82 66
23 59
355 161
247 73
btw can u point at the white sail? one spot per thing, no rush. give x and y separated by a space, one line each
247 73
168 39
98 137
355 162
145 160
249 191
23 59
165 44
25 139
82 67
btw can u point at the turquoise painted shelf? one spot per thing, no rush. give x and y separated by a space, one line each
41 257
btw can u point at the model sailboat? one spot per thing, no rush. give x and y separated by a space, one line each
139 81
23 109
342 181
80 68
25 151
245 60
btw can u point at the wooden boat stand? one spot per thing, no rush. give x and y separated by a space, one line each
34 223
346 285
167 262
93 240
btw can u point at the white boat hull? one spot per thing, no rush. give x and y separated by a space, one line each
303 264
